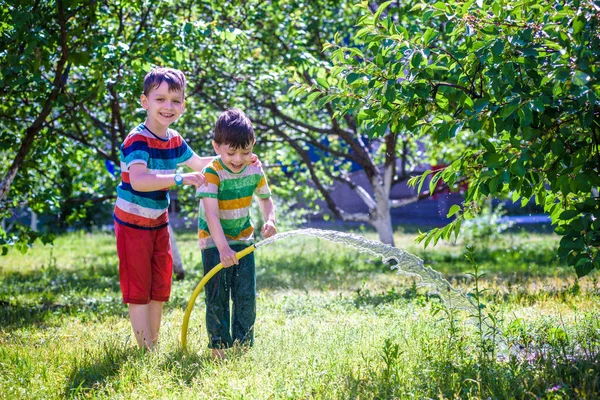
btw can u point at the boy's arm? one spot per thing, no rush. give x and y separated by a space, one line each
268 211
211 212
142 181
198 163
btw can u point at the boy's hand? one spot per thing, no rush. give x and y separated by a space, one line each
194 178
255 161
228 257
268 229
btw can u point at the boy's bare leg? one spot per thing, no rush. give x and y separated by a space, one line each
138 314
145 321
155 316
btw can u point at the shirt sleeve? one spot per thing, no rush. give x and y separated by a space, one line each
135 150
262 189
211 189
184 152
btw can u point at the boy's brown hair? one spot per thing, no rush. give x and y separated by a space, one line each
234 128
174 78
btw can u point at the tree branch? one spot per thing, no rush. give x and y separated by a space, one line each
471 80
34 129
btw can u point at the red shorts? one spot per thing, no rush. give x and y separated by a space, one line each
145 264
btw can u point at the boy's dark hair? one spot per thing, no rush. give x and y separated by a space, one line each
174 78
234 128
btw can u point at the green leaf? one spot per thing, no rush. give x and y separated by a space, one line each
537 105
416 59
584 269
488 146
323 82
433 182
480 104
440 6
518 169
422 179
430 236
568 215
498 48
457 225
580 78
455 129
579 24
508 110
429 35
494 160
453 210
468 102
381 8
390 92
441 101
525 116
311 98
353 76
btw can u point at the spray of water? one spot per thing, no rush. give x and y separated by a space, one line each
405 263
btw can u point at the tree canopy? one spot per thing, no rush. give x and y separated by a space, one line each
507 94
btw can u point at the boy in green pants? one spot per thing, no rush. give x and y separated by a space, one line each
224 228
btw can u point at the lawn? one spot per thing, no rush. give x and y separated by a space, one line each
332 323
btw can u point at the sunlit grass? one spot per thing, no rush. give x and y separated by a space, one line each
331 323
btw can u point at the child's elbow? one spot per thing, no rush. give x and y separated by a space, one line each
135 185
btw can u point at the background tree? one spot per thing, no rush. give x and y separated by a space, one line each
244 55
39 42
263 48
66 162
506 93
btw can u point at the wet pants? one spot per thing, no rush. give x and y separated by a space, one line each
237 283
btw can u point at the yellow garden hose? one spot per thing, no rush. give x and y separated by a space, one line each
210 274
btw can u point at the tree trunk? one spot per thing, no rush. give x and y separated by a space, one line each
383 225
24 149
177 263
380 218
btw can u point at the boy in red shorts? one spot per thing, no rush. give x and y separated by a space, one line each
149 157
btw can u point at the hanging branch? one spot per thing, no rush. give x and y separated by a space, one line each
32 131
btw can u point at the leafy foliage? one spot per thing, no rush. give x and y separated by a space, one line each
507 94
242 55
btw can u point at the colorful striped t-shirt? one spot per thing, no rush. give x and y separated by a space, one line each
234 192
148 210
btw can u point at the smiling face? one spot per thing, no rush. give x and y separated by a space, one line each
236 159
163 107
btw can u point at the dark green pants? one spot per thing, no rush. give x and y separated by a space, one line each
237 283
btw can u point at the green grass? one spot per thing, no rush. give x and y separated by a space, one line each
332 323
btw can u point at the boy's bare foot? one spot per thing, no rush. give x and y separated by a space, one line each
218 354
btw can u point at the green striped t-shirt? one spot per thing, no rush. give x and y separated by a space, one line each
234 192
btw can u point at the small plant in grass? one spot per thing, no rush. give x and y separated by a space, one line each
488 324
450 315
391 356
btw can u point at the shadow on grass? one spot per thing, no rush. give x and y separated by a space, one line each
318 269
35 297
524 260
17 316
365 297
53 280
184 366
95 371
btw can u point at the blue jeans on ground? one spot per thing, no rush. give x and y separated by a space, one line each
237 283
